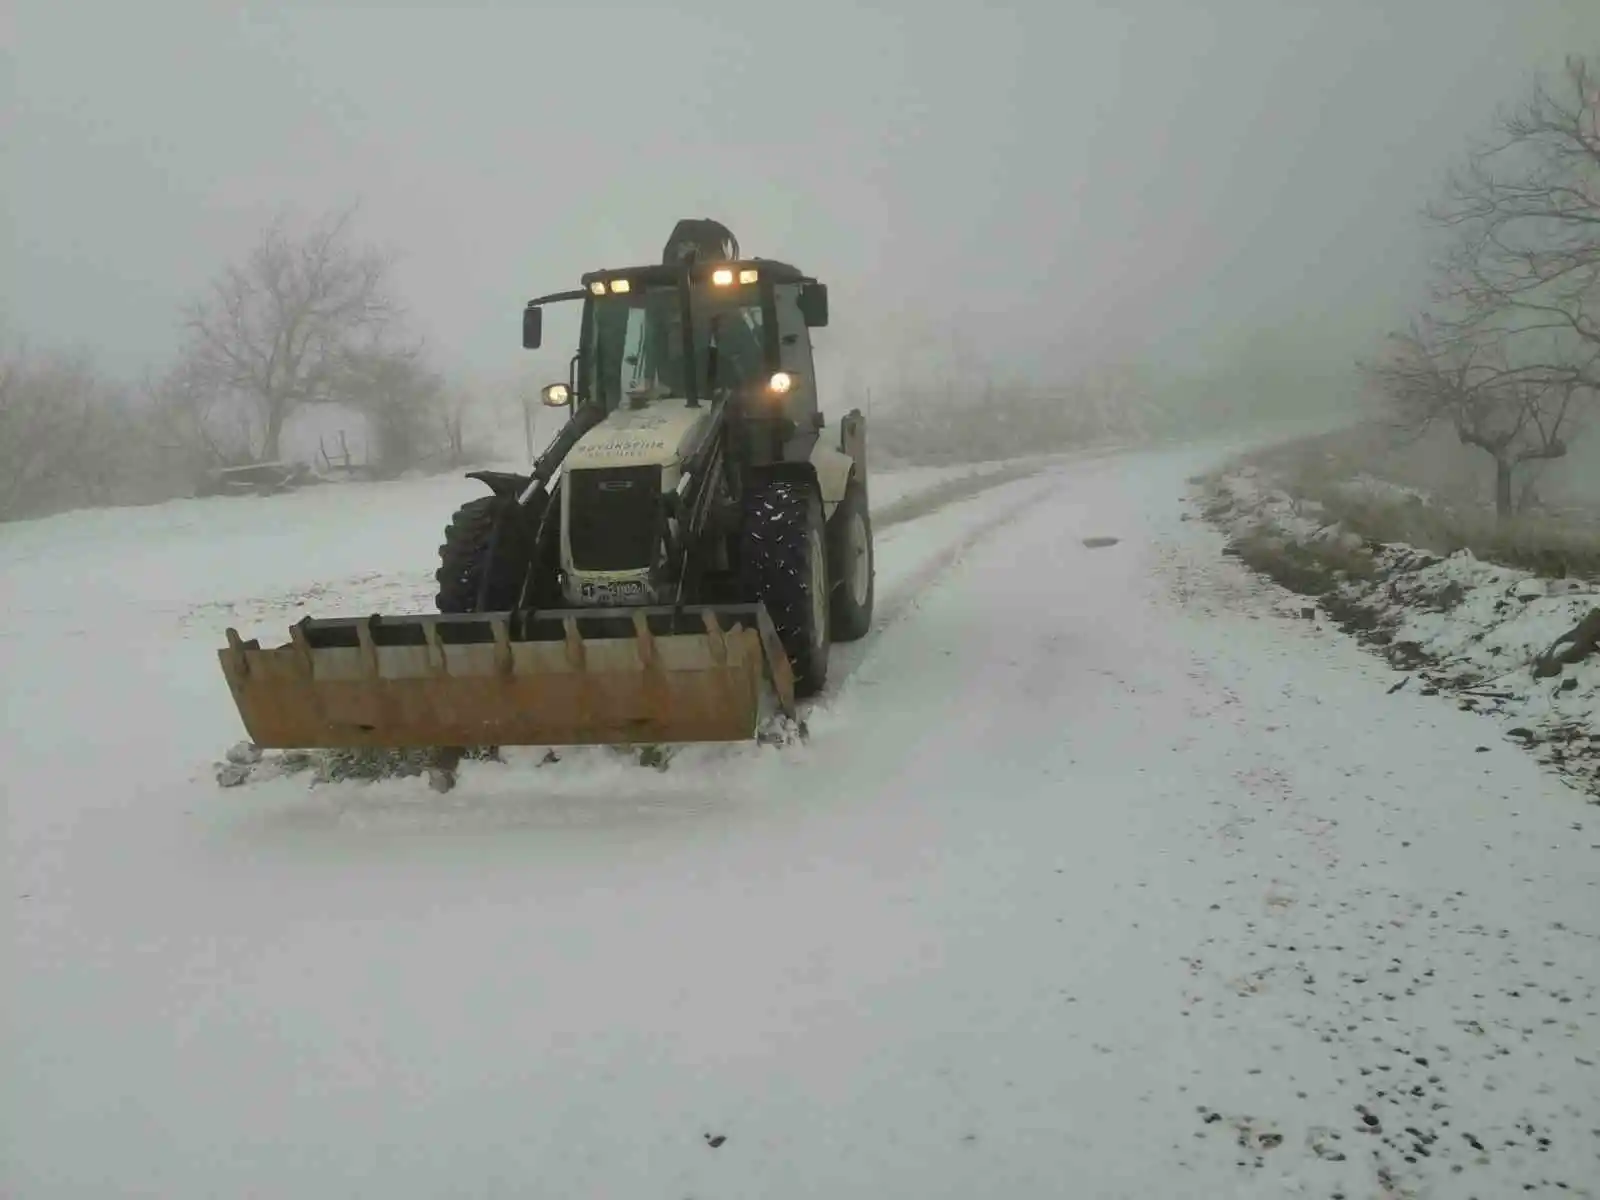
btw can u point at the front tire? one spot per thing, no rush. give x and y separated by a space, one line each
852 566
784 564
487 550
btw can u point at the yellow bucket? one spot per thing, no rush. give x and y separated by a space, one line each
570 677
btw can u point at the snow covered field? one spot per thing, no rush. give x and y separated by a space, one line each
1095 878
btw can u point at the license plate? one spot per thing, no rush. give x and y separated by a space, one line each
612 593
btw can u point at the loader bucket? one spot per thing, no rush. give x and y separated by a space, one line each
570 677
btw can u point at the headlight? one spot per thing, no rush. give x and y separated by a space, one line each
780 383
749 275
722 276
619 286
598 287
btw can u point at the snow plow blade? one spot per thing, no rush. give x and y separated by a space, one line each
564 677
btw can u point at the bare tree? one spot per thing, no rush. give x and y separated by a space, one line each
1510 355
403 401
63 433
1515 417
1523 274
456 405
281 329
194 427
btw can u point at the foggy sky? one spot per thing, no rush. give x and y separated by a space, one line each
1062 182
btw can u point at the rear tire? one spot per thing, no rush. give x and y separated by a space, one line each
488 547
784 564
852 566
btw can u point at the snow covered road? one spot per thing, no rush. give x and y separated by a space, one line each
1097 877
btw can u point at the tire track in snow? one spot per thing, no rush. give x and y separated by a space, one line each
940 496
906 593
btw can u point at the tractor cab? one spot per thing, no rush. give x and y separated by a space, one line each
692 333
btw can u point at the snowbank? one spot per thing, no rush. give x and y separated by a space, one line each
1506 643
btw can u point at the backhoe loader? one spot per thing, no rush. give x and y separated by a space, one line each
689 543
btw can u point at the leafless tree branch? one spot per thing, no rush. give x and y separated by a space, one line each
1524 212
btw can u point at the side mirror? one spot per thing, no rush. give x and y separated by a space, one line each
532 327
814 305
555 395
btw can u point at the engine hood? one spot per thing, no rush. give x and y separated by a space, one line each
660 435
